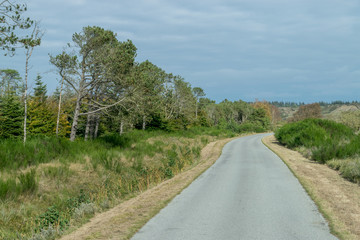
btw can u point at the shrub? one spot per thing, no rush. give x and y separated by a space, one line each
324 138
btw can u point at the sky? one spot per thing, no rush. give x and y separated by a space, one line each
278 50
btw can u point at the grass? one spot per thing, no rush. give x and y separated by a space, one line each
102 172
348 168
12 187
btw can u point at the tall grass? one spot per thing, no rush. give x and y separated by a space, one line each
12 187
108 169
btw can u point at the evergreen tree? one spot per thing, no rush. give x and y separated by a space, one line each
40 90
42 119
11 116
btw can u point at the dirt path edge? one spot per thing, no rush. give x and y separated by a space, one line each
337 199
124 220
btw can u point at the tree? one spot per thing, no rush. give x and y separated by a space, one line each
40 90
29 44
150 80
307 111
10 82
198 93
99 71
11 21
40 115
11 116
65 65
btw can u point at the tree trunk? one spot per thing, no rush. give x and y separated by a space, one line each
97 126
76 119
59 108
92 126
88 126
25 93
121 127
144 123
196 110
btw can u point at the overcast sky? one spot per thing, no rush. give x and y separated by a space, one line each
284 50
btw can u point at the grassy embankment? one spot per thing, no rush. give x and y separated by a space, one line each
326 142
50 184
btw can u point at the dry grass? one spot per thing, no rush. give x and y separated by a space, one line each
337 199
125 219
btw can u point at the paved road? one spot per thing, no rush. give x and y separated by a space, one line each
249 193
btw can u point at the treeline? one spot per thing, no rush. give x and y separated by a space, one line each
322 103
102 89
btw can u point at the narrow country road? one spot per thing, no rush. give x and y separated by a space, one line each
249 193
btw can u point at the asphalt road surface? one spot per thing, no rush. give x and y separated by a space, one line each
249 193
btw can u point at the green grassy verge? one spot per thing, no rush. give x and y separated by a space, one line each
51 184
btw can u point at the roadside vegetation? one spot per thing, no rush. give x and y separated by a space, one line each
112 128
325 141
45 196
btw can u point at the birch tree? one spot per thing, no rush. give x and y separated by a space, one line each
29 44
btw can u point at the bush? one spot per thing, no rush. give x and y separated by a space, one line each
324 138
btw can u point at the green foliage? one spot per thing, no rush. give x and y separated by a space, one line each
259 119
52 217
12 21
59 216
324 138
10 82
116 140
42 119
11 117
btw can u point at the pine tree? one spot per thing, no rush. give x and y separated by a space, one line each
40 90
11 116
42 119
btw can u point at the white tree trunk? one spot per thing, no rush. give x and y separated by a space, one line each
97 126
144 123
28 54
121 127
88 126
75 120
59 108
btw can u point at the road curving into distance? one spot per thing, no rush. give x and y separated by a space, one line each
249 193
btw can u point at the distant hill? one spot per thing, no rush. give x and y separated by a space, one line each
331 111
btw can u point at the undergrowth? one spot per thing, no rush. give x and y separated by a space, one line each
50 184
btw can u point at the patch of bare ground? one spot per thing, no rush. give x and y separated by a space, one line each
125 219
337 199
